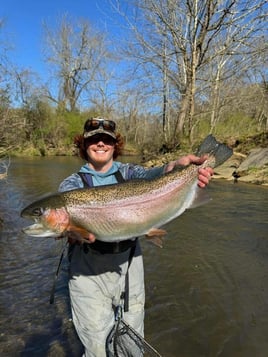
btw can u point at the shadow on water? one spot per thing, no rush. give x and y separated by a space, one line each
206 289
41 344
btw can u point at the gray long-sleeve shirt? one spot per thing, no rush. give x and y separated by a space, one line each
128 171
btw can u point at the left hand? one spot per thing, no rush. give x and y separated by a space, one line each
204 174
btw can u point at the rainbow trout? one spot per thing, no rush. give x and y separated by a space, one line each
130 209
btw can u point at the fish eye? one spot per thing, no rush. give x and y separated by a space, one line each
38 211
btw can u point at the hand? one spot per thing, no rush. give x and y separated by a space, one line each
91 238
204 174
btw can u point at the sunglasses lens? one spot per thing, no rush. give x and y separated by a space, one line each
94 124
106 139
108 125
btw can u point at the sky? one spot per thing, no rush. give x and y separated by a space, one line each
23 28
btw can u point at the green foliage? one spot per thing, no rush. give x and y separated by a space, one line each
39 129
236 125
72 123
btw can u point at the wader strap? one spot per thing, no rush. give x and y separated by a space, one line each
86 178
125 294
88 181
119 177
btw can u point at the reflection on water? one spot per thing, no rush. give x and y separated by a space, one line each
206 289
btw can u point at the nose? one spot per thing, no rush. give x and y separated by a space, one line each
100 143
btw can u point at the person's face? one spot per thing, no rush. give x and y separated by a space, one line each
100 150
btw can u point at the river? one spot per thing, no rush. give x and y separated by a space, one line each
206 289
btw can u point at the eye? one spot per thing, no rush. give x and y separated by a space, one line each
38 211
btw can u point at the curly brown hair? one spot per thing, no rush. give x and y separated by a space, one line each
82 144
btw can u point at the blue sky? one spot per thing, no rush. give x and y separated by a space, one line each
23 24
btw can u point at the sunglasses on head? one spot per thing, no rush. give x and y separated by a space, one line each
93 124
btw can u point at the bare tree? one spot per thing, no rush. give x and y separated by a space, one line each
7 81
77 55
197 33
4 65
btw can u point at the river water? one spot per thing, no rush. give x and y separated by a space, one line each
206 290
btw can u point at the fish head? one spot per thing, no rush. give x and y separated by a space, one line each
50 216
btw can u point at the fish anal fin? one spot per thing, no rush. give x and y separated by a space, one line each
156 236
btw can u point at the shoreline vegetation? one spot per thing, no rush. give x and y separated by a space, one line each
249 162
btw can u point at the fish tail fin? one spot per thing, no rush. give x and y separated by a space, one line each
210 146
222 154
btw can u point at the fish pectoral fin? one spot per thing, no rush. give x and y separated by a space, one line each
77 234
156 236
83 232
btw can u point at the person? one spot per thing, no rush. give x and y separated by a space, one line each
98 270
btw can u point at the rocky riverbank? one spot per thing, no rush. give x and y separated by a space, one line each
249 163
251 168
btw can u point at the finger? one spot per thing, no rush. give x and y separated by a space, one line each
91 237
204 178
207 172
198 160
210 170
201 184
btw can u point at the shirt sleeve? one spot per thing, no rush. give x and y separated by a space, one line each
146 173
71 183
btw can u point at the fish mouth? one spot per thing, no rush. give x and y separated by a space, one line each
38 230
